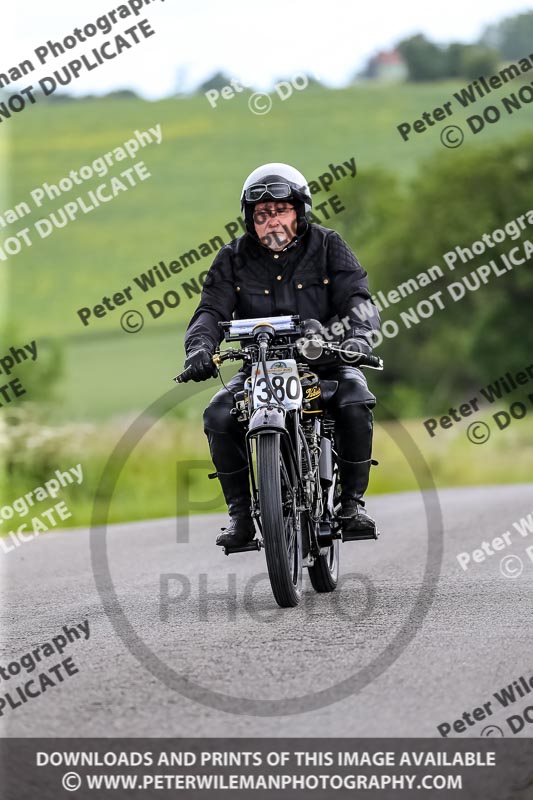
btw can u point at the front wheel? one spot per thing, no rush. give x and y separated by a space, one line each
280 519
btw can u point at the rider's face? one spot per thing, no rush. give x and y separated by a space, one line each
275 232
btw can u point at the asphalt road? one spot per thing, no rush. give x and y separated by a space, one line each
376 658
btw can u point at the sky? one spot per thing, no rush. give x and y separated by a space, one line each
254 41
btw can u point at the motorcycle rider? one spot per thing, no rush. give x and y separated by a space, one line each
285 264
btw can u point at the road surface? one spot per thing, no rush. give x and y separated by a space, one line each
189 627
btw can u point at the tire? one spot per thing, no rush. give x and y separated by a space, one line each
324 573
279 525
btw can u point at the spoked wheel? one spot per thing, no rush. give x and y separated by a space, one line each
280 520
324 572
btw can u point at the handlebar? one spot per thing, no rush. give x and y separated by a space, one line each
359 360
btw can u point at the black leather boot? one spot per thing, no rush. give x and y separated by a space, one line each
236 489
239 532
356 523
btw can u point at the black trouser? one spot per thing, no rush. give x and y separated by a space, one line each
351 407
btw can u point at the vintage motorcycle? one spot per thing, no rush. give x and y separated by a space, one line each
290 442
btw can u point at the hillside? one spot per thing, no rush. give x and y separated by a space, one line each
189 195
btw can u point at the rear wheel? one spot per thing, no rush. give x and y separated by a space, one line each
324 572
280 520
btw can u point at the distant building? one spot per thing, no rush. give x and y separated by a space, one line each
388 66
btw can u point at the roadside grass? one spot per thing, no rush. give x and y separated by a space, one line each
166 474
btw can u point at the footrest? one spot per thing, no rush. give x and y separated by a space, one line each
244 548
359 536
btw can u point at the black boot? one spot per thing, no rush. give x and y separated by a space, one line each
239 532
356 523
236 489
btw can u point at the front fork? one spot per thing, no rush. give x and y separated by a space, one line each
291 444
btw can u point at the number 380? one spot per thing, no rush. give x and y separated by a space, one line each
283 388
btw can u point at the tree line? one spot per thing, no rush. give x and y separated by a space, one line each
398 231
508 40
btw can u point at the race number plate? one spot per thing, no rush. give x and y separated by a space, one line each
285 381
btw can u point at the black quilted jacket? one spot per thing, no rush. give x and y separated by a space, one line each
317 277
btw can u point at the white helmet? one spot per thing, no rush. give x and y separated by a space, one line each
276 182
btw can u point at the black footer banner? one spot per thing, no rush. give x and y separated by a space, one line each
55 769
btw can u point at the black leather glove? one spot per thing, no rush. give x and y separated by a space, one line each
357 344
200 361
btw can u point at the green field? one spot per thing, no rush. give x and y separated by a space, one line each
197 173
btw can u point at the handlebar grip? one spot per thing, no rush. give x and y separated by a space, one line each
371 361
183 377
